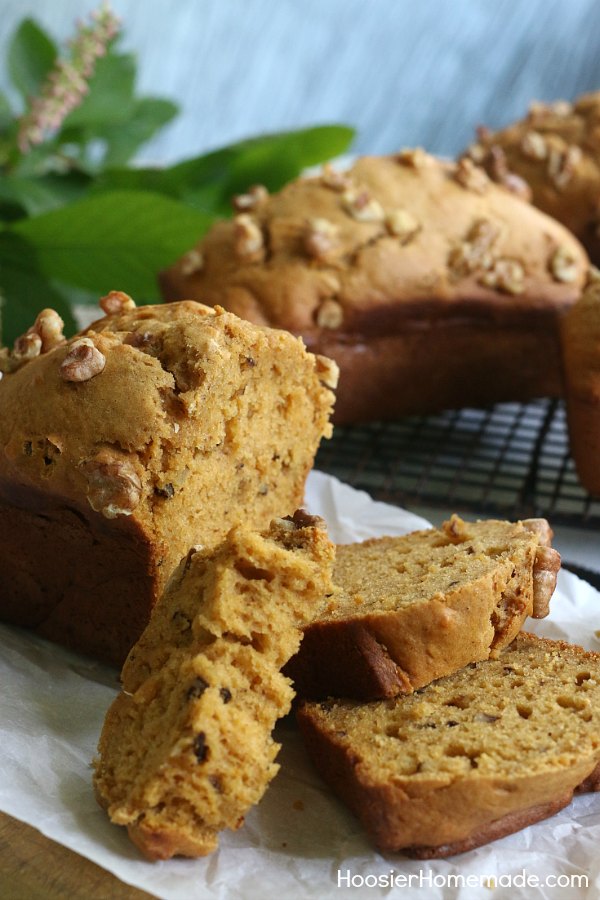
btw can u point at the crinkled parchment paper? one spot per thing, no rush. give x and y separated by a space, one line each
297 840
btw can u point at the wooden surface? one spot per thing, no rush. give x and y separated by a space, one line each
35 868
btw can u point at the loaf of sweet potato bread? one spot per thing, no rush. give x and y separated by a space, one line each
580 332
555 150
156 429
470 758
429 285
186 748
407 610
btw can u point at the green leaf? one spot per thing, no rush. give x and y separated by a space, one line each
110 97
114 240
6 116
31 55
25 291
39 195
147 117
208 182
272 160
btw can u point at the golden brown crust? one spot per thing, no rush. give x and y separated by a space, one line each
474 262
436 792
366 652
195 421
556 150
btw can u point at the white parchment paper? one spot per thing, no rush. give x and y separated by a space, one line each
299 842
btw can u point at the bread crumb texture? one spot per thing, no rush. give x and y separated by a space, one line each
186 748
407 610
156 429
499 737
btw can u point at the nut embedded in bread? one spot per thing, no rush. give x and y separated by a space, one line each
470 758
155 429
407 610
431 286
186 748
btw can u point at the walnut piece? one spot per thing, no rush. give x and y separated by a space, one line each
533 145
470 176
401 224
359 203
114 487
545 572
330 314
27 347
334 179
562 165
321 238
49 326
248 238
563 266
82 362
475 251
254 197
507 275
116 302
416 158
191 262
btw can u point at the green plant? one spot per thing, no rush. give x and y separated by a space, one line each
76 218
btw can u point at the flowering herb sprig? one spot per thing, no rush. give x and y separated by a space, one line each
76 218
68 82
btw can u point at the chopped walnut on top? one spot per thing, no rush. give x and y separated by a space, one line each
329 314
82 362
116 302
507 275
534 146
248 238
334 179
254 196
539 111
475 252
470 176
45 334
563 265
402 224
359 203
562 165
415 157
191 262
321 238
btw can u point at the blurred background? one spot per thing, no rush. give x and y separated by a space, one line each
403 73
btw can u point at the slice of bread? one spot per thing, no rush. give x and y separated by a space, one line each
466 760
186 747
410 609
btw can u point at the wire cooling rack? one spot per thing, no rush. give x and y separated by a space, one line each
509 461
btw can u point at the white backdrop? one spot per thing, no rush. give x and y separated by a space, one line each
403 72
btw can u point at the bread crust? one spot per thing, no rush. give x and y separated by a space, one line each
555 149
442 815
197 421
381 653
412 320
